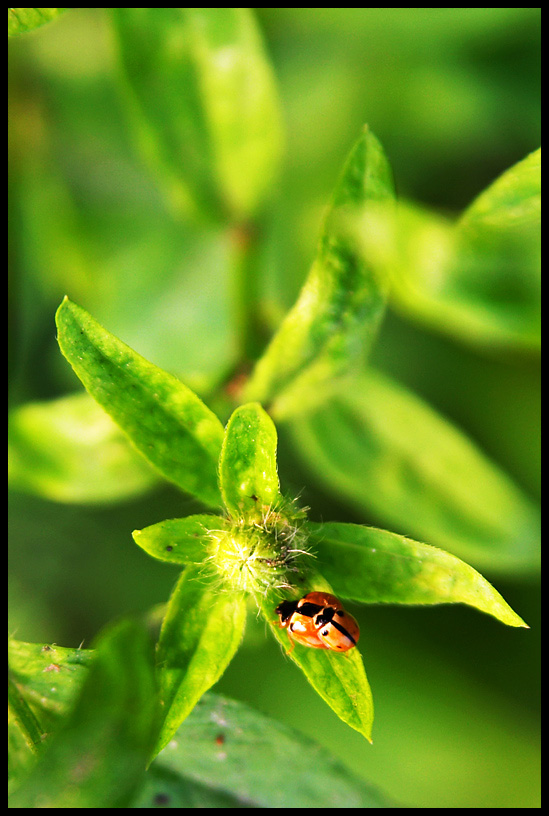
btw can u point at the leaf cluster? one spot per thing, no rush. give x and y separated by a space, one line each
206 118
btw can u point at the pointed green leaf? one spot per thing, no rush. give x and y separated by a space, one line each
21 20
250 760
200 634
384 450
376 566
98 758
205 104
164 419
247 467
70 450
339 679
337 314
179 541
477 279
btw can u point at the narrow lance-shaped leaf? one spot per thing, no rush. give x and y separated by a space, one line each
206 106
337 314
375 566
339 679
99 756
180 541
384 450
200 634
247 466
164 419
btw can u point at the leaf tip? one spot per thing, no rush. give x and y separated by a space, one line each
65 303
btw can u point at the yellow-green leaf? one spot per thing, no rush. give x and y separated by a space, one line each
205 104
200 634
375 566
164 419
247 466
337 314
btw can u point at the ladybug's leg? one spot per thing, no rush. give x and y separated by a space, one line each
292 641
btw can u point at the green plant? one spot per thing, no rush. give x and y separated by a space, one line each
211 131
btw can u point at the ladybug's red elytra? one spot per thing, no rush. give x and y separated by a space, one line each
320 621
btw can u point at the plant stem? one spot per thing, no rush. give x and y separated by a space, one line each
246 251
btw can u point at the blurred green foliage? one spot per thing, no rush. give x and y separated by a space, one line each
453 95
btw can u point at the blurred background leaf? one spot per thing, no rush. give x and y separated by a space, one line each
382 449
225 754
480 278
21 20
207 111
98 756
232 756
69 450
453 96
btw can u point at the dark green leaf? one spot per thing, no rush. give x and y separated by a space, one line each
164 419
201 632
206 105
387 452
247 466
336 317
229 750
172 789
375 566
98 758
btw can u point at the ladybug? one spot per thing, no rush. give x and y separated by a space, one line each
320 621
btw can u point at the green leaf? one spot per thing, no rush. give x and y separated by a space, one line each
200 634
33 665
164 419
376 566
70 450
179 541
240 758
247 467
335 319
339 679
206 106
386 452
43 682
477 279
21 20
98 758
25 735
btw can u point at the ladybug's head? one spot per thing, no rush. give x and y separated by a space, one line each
285 610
